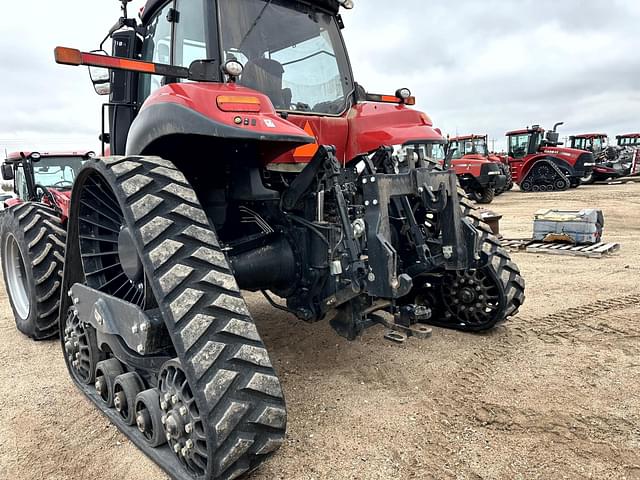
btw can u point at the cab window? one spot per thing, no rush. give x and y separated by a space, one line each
519 145
156 48
190 37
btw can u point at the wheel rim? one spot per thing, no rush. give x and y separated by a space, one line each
470 296
16 273
110 262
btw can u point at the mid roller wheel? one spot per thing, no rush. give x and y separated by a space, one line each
149 417
106 373
125 390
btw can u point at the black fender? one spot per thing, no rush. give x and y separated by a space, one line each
168 119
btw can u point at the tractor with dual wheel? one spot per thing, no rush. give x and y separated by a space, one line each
33 235
247 158
539 162
481 175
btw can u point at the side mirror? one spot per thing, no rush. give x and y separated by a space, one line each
100 77
7 171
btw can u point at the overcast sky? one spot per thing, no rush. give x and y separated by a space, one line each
478 67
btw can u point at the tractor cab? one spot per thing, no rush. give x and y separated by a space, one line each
43 176
629 140
469 145
591 142
276 71
530 140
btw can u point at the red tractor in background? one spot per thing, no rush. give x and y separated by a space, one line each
483 176
629 140
610 160
249 158
32 236
539 164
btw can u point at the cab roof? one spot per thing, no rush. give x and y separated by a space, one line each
17 156
533 128
331 6
589 136
462 138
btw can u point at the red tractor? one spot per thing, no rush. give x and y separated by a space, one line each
248 158
32 236
539 164
609 163
482 176
629 140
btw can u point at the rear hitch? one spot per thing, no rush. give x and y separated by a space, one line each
407 322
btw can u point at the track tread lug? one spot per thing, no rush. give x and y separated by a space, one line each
184 303
229 420
251 354
206 357
222 280
191 213
204 235
152 229
239 448
273 417
163 252
232 304
218 385
193 330
145 206
174 277
125 167
263 383
240 328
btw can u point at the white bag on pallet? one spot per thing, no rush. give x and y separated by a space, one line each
582 227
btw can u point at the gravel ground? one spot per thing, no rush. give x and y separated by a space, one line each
552 394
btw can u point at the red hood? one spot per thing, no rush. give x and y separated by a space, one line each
474 157
571 153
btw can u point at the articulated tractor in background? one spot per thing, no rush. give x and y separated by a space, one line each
32 236
540 164
246 157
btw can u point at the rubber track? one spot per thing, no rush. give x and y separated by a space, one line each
555 168
228 368
44 242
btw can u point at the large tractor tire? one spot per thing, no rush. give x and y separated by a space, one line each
476 300
32 243
588 179
484 195
215 408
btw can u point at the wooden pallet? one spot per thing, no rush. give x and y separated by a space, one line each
597 250
516 243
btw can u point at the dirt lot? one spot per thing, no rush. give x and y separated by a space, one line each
555 393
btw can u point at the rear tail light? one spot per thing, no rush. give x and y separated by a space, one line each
237 103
